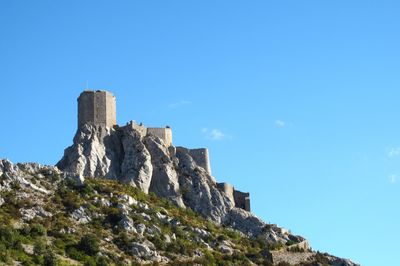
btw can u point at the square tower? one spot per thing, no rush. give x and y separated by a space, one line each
97 107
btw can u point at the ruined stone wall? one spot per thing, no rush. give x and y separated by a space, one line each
97 107
242 200
201 157
140 128
163 133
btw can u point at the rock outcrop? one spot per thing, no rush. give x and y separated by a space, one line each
145 162
122 153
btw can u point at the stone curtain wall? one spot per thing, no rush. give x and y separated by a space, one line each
163 133
242 200
227 189
201 157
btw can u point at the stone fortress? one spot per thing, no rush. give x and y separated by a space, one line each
99 108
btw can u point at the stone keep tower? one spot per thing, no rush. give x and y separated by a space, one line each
97 107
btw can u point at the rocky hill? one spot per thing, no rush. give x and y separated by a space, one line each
120 198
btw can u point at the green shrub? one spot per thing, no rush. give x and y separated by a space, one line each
89 244
39 248
86 190
221 238
37 230
5 255
50 259
123 241
10 238
290 242
113 215
102 261
71 201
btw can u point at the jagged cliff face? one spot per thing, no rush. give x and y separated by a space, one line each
146 163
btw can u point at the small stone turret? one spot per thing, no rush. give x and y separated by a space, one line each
241 199
97 107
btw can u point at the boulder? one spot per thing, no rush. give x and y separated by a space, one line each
80 215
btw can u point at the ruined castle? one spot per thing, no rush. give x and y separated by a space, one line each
99 108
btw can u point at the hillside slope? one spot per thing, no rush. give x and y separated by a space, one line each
53 218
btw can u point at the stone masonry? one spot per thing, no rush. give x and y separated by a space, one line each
200 157
97 107
241 199
165 134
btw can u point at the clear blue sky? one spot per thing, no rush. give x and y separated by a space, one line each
298 101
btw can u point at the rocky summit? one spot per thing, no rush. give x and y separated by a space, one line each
127 196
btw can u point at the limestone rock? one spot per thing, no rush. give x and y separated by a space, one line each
99 151
37 211
21 174
334 261
103 202
7 167
80 215
123 153
128 200
136 167
245 222
89 155
140 228
226 249
201 232
146 251
127 224
164 181
199 191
